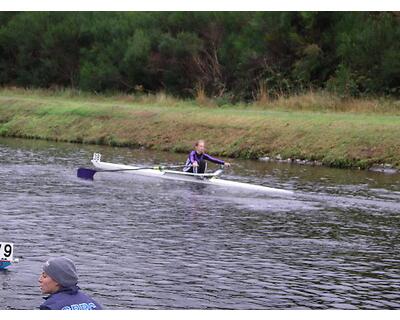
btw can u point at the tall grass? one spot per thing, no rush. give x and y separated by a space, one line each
313 101
323 101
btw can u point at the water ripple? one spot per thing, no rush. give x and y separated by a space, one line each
141 243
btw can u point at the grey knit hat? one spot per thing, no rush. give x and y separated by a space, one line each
62 270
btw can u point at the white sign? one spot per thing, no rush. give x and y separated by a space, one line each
6 251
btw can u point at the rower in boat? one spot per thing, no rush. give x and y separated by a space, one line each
164 173
197 159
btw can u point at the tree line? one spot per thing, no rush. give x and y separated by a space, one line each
228 55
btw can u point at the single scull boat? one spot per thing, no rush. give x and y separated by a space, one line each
159 172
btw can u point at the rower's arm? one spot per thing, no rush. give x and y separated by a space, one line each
192 157
212 159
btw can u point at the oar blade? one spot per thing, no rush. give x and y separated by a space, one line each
85 173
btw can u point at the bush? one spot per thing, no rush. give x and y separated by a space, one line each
230 53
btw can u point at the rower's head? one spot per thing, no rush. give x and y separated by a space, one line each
57 273
200 146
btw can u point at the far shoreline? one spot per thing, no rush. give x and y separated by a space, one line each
278 133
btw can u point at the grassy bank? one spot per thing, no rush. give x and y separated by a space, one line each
314 127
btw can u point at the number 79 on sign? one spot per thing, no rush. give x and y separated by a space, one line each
6 251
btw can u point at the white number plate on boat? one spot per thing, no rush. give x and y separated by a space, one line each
6 251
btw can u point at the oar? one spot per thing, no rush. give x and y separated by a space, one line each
87 174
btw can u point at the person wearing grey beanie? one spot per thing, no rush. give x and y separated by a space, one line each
59 279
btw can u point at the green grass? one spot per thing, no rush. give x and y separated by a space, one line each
354 138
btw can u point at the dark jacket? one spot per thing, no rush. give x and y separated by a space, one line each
70 299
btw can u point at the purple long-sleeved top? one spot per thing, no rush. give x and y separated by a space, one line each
194 156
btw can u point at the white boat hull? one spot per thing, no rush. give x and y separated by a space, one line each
183 176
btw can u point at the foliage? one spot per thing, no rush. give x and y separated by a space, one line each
228 56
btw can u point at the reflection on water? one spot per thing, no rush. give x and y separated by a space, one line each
144 243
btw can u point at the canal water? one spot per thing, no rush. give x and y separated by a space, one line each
141 243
